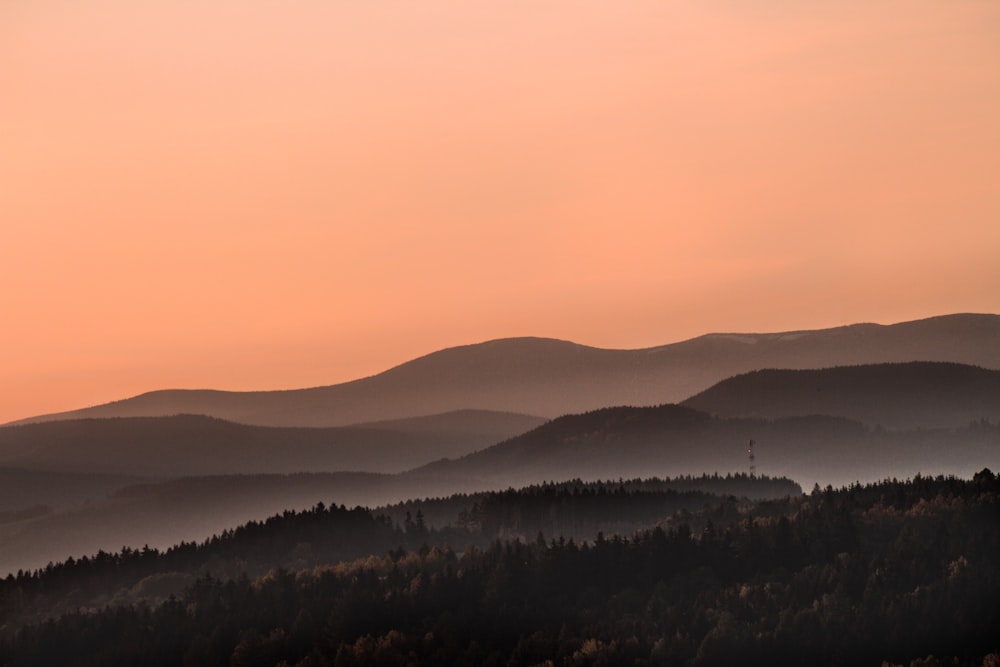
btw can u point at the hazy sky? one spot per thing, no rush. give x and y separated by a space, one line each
252 194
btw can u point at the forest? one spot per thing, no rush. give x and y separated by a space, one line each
324 535
899 572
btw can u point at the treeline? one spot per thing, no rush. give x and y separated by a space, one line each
582 509
896 572
333 534
322 534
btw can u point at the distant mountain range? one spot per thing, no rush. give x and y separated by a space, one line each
550 377
898 396
185 445
611 443
906 396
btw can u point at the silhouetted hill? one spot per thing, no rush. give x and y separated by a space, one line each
550 377
199 445
898 396
672 440
665 441
192 509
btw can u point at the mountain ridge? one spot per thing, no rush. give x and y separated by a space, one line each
549 377
916 394
677 440
610 443
181 445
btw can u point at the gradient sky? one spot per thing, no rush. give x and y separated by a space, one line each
246 194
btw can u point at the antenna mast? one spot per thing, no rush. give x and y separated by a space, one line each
750 455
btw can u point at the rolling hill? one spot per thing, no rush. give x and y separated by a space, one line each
671 440
611 443
192 509
165 513
198 445
550 377
897 396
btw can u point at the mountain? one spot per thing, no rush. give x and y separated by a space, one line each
898 396
165 513
550 377
193 509
612 443
671 440
198 445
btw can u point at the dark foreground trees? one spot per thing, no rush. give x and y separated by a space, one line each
892 572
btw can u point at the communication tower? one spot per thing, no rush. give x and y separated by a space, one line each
750 455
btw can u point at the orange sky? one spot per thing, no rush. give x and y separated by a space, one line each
249 194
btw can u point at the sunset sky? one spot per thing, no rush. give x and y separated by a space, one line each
250 194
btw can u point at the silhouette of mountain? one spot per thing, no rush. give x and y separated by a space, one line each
193 509
611 443
899 396
550 377
198 445
671 440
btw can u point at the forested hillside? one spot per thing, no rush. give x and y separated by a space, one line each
673 440
895 572
323 535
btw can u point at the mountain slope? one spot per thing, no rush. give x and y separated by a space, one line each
161 514
671 440
549 377
611 443
192 509
899 396
199 445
